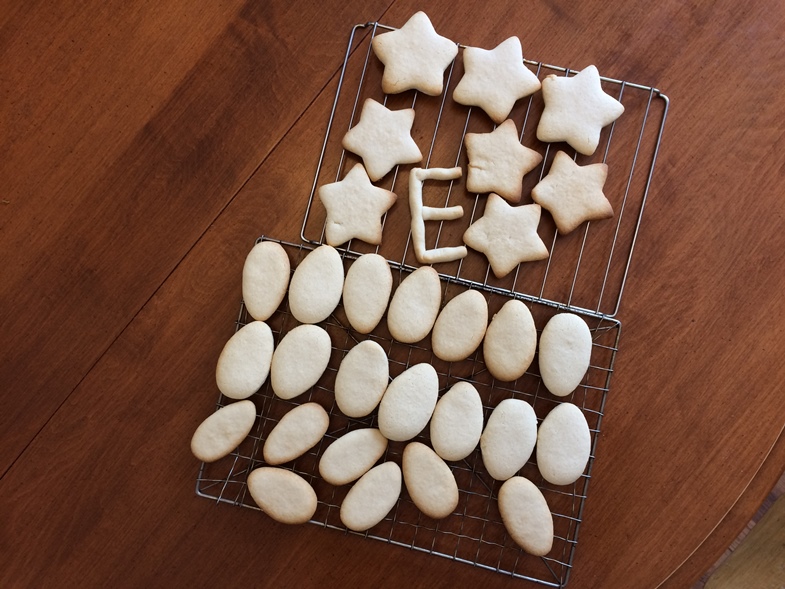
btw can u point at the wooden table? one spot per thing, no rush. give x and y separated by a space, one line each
146 145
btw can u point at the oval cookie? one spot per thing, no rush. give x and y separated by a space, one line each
366 292
526 515
223 431
408 403
565 353
510 342
429 481
362 379
509 438
460 326
244 362
297 432
299 360
282 494
316 285
352 455
456 425
563 445
265 278
372 497
415 305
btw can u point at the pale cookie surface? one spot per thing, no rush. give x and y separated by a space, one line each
456 425
565 353
408 403
429 481
573 194
507 235
510 342
509 438
460 326
495 79
366 292
372 497
297 432
576 110
415 305
414 57
282 494
266 273
383 139
354 208
362 379
299 360
563 445
526 515
498 162
352 455
244 362
316 285
223 431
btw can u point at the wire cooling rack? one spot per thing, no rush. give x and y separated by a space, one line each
586 269
474 533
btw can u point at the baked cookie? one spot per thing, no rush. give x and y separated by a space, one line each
526 515
352 455
414 57
429 481
460 326
573 194
244 362
563 445
565 353
456 424
299 360
282 494
508 439
297 432
266 274
576 110
372 497
316 285
366 292
354 208
495 79
507 235
510 342
223 431
408 403
362 379
415 305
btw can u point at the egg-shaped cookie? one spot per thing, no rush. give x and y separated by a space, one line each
266 273
297 432
565 353
244 362
460 326
429 481
362 379
563 445
408 403
508 439
366 292
223 431
299 360
372 497
456 424
526 515
352 455
282 494
415 305
316 286
510 342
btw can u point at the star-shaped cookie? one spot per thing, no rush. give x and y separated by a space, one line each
507 235
354 208
414 57
576 110
495 79
383 138
498 162
572 193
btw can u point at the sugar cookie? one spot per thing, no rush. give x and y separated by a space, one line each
282 494
460 326
299 360
223 431
429 481
295 433
366 292
563 445
408 403
415 305
372 497
508 439
316 285
510 342
362 379
456 425
352 455
565 353
244 362
526 515
266 274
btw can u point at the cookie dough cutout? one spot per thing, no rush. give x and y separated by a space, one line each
408 403
266 274
456 425
507 235
352 455
460 327
362 379
421 213
565 353
366 292
415 306
573 194
414 57
495 79
563 445
354 208
299 360
429 481
316 285
370 500
383 139
244 362
526 515
282 494
223 431
576 110
297 432
498 162
510 342
509 438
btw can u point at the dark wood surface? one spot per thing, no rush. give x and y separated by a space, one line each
146 145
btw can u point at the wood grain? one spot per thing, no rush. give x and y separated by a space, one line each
147 147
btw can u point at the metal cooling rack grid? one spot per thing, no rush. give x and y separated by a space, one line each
474 533
586 269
